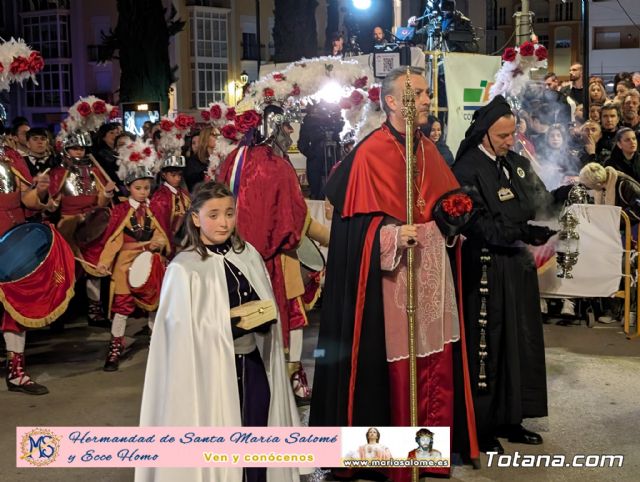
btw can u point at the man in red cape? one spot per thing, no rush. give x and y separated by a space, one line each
362 366
273 216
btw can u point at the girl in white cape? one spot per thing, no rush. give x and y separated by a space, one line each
202 369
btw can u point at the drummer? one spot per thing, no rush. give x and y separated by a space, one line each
79 186
133 228
171 200
18 186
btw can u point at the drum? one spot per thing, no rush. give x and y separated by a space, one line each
145 279
310 256
93 226
22 249
37 274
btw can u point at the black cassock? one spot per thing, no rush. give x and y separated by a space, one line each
515 365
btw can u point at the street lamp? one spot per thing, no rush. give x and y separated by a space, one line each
244 78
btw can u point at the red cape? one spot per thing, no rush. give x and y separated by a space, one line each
271 211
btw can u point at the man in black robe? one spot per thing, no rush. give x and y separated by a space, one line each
500 284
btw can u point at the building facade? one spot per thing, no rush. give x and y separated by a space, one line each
614 39
67 33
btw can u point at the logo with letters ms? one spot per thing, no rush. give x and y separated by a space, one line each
40 447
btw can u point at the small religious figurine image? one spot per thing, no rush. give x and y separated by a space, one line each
373 449
425 450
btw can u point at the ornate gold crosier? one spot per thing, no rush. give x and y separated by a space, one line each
409 114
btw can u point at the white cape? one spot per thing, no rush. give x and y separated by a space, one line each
191 374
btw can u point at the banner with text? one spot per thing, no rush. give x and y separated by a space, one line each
232 447
468 78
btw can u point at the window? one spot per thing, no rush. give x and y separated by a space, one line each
53 89
615 38
568 11
543 39
502 16
38 5
249 46
49 34
209 57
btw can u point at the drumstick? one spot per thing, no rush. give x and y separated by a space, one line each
97 164
90 265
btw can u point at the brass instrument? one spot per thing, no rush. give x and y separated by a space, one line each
409 114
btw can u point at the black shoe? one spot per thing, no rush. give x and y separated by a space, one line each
517 434
30 388
111 365
490 444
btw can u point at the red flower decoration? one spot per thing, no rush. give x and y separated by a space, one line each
356 97
206 115
541 53
115 113
36 62
247 121
278 77
268 92
99 107
19 65
135 156
1 68
509 54
345 103
147 151
527 49
457 205
216 112
361 82
166 125
374 94
296 90
229 132
184 121
231 114
178 136
84 109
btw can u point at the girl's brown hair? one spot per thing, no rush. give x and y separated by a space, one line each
203 193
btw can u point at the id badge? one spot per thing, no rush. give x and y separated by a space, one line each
505 194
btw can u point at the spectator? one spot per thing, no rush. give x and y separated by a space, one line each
594 112
597 91
105 150
379 37
630 115
539 125
624 156
590 134
575 90
557 161
197 164
612 187
433 130
610 118
621 90
551 81
635 78
337 45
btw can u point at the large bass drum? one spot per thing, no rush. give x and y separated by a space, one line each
37 274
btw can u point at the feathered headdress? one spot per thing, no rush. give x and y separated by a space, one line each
172 135
136 160
18 62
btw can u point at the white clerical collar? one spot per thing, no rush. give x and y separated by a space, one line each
483 149
133 203
171 188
